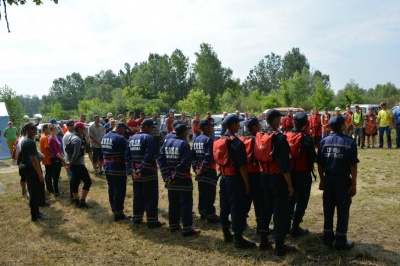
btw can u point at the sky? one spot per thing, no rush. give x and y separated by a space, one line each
346 39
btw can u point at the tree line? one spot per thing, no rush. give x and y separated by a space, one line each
166 81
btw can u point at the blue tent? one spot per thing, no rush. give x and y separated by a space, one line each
4 118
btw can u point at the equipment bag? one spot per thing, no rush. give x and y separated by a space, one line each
221 150
264 147
295 141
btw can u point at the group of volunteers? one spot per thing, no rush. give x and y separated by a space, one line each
271 166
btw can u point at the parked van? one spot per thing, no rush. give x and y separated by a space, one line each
364 108
284 110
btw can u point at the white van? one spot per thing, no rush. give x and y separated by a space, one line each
364 108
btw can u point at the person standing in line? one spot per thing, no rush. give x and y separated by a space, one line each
32 170
141 165
337 167
156 133
276 185
287 122
234 187
358 122
22 174
66 139
206 174
325 122
315 127
175 161
301 165
142 117
114 146
170 120
96 133
45 149
371 128
385 122
196 125
56 159
75 150
11 134
396 116
88 149
349 122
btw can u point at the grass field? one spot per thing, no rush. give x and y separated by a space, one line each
72 236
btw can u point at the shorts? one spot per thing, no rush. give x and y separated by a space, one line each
359 132
88 148
97 155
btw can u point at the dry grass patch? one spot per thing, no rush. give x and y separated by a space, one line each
73 236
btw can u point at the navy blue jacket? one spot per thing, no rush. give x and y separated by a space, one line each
113 147
203 159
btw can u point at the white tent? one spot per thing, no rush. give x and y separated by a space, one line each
4 118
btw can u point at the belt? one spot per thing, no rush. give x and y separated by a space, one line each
114 160
187 175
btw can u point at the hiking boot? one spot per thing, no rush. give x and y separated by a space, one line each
298 231
83 205
265 244
120 217
213 219
193 232
155 225
284 250
242 243
347 246
228 236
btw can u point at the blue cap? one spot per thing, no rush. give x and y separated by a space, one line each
147 122
205 122
122 124
172 111
178 126
251 122
336 121
52 121
231 119
300 117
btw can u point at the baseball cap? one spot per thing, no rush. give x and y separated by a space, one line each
52 121
205 122
272 113
197 113
251 122
231 119
79 125
179 127
336 121
300 118
29 125
337 109
148 122
172 111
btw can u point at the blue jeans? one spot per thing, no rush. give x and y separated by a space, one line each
382 130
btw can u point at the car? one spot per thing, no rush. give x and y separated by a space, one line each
284 110
364 108
218 126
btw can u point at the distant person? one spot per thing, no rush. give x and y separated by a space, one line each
385 122
132 124
45 149
142 117
11 134
325 122
156 133
56 159
287 122
170 120
358 122
315 126
96 133
396 116
371 128
349 121
196 125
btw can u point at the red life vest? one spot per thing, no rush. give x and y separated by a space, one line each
298 160
252 165
264 152
221 156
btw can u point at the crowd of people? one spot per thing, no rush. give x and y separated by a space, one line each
276 180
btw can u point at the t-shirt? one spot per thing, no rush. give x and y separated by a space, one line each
55 147
45 149
196 126
132 123
96 131
11 133
385 118
28 148
396 114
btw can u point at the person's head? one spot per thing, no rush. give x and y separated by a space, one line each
142 115
253 125
109 115
112 123
337 110
300 120
147 126
70 125
232 123
348 108
290 112
180 129
237 112
171 113
207 126
183 115
53 121
82 118
46 129
155 115
370 110
197 115
53 130
338 123
383 105
131 115
10 124
326 110
208 114
273 118
358 109
315 110
246 115
30 129
96 119
120 128
80 128
121 117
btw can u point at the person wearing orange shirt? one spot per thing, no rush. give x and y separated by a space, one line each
324 121
349 122
45 149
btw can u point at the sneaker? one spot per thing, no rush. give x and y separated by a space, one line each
213 219
244 244
121 217
193 232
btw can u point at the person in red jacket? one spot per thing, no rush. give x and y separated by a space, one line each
170 120
315 126
287 122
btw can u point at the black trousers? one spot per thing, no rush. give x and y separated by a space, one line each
34 187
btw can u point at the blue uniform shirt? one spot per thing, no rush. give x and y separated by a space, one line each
113 147
396 114
141 156
203 159
336 154
175 160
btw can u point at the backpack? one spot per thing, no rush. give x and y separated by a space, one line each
14 150
295 141
221 150
249 144
264 147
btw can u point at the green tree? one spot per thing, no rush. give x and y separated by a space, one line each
322 96
102 86
293 61
30 103
266 75
68 91
14 107
351 94
196 101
